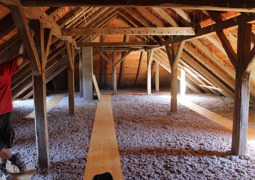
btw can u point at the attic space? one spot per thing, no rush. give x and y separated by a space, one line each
141 90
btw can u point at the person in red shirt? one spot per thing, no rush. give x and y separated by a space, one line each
7 69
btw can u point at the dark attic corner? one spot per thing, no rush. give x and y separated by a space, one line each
127 89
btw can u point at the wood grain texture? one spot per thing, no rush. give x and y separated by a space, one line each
18 176
238 5
103 155
225 122
50 104
187 31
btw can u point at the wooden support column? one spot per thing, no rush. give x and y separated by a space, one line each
87 71
80 75
114 73
174 55
71 91
123 63
138 69
242 93
174 89
103 68
42 41
41 124
149 60
157 78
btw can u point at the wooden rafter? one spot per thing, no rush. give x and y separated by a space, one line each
244 18
183 14
224 40
6 25
239 5
208 75
163 64
187 31
228 47
165 16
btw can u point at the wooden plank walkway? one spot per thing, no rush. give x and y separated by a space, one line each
50 104
103 155
18 176
225 122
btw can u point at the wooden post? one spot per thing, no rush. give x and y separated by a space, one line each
149 60
123 63
174 55
42 40
80 75
114 73
103 68
138 69
71 91
242 93
87 71
157 78
174 89
41 125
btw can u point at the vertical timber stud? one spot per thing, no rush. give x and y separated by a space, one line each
174 55
149 60
157 78
39 86
114 73
241 107
87 71
80 75
139 69
71 93
103 68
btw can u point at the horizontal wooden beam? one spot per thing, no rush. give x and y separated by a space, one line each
116 44
187 31
120 49
237 5
244 18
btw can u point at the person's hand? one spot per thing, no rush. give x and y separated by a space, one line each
21 49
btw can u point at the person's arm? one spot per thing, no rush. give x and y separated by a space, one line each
20 57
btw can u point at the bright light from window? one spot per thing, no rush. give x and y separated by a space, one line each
183 84
17 101
191 73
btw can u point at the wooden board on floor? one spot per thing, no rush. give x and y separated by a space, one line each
50 104
225 122
103 155
18 176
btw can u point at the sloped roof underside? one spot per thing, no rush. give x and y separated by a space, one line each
207 66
